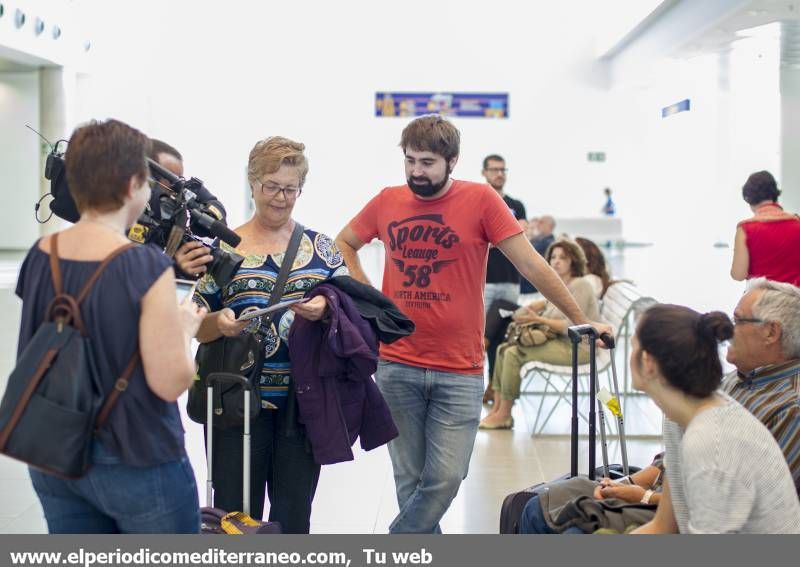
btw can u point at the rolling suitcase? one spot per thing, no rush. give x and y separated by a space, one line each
214 520
514 503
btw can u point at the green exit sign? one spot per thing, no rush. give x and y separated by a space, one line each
596 156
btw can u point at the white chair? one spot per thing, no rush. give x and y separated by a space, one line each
620 306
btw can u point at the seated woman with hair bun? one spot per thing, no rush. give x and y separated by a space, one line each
725 473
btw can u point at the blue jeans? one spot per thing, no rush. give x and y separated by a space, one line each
532 520
437 414
494 291
118 498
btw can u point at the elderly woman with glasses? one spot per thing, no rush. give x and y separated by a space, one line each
280 461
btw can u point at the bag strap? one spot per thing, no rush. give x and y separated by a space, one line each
55 268
119 386
122 382
286 267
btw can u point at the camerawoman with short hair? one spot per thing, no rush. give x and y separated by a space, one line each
280 460
140 480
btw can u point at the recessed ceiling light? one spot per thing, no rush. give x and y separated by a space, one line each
87 45
19 18
2 9
56 32
38 27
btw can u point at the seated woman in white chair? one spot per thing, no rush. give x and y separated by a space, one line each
569 262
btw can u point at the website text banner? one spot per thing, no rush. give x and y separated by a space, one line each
395 551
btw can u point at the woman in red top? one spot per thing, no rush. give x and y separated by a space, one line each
768 244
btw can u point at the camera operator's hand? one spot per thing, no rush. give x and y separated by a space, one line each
227 323
192 258
314 309
191 315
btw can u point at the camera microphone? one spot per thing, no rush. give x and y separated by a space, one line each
162 171
216 227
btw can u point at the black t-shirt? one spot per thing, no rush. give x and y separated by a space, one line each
541 245
499 269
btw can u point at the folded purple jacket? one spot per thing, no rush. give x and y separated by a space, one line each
332 367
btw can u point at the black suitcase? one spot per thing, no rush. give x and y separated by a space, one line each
514 503
215 520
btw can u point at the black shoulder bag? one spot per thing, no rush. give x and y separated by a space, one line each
243 355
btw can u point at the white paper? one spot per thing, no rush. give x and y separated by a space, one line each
277 307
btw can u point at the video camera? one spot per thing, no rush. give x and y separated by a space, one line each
180 218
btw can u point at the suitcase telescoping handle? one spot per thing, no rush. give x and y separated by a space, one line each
576 334
223 379
609 342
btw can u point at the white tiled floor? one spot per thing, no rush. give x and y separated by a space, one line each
358 497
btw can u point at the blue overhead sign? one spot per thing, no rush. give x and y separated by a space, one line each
681 106
476 105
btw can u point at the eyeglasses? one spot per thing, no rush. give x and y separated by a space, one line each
741 320
289 193
497 169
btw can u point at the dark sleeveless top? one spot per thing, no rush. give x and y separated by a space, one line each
142 430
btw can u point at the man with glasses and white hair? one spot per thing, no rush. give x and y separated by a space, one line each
766 352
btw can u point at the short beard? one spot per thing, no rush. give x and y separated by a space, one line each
428 189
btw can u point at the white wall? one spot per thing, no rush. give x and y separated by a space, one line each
680 177
214 80
790 138
244 71
19 158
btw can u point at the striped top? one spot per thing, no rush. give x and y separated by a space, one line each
772 394
727 474
318 259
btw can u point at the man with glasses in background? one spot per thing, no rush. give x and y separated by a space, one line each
502 278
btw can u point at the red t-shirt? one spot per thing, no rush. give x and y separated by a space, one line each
436 268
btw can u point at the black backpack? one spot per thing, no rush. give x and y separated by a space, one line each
54 401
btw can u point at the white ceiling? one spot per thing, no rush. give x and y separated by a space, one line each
756 13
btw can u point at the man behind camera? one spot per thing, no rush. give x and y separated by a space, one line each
192 257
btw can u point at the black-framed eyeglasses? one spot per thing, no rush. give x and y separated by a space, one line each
741 320
497 169
290 193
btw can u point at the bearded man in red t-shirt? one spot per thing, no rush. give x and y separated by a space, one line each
437 232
